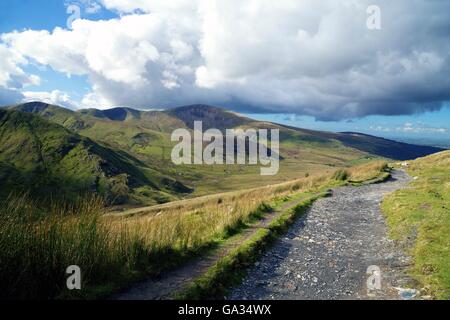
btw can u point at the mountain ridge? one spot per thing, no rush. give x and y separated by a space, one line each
146 137
214 117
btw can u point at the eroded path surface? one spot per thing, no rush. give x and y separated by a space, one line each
326 253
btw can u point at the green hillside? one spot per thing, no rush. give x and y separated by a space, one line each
51 161
146 136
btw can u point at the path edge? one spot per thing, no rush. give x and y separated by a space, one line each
230 269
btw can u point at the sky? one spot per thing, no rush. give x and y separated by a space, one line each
380 67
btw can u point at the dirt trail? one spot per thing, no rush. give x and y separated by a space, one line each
326 254
170 282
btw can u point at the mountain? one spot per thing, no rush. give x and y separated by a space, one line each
145 135
212 117
386 147
380 146
49 160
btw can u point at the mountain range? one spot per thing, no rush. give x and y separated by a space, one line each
124 153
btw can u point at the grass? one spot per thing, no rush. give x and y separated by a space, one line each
138 144
231 268
376 171
44 158
373 172
228 270
419 218
147 138
36 247
38 243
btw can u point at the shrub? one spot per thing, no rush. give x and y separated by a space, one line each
340 175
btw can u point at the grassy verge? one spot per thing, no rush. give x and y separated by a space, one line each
419 218
37 244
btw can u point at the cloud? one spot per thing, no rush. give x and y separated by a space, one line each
380 128
303 57
421 128
55 97
12 77
409 127
9 96
11 74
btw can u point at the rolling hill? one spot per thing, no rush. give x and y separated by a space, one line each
49 160
145 137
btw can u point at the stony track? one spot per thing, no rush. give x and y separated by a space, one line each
326 253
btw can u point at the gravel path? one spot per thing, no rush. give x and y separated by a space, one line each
326 253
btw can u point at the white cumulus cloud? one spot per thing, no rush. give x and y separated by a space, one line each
55 97
304 57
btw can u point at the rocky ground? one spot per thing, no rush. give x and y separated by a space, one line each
327 253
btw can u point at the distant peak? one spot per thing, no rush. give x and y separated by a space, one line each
33 106
115 114
212 117
122 109
199 107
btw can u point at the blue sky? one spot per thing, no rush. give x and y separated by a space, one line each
38 15
183 69
47 15
418 128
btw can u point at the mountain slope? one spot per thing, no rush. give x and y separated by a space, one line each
371 144
384 147
148 124
212 117
146 136
50 160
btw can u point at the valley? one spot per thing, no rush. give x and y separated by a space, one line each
97 188
144 139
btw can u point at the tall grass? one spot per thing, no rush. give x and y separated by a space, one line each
192 225
38 244
370 171
376 170
36 247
